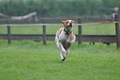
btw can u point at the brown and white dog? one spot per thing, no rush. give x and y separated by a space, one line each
65 38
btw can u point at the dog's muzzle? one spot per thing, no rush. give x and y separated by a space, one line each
70 24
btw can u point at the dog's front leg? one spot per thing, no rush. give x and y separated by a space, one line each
61 49
62 52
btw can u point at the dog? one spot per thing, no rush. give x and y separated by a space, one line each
64 38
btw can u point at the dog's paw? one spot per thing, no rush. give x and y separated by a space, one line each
64 59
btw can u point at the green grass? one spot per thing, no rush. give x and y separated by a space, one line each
87 29
28 60
99 29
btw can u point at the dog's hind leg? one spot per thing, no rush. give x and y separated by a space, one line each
67 52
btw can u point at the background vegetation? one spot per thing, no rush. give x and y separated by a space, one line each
58 7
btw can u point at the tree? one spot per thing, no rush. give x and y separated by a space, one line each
56 7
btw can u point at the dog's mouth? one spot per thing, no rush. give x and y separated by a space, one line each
69 26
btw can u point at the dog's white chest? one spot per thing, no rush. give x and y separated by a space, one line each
64 38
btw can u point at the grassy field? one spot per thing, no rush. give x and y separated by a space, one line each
28 60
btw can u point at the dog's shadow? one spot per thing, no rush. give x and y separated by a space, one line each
62 62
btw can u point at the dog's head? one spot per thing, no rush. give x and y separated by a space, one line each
68 24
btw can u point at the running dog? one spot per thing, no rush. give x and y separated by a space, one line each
65 38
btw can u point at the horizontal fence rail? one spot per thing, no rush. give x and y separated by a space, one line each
59 24
51 37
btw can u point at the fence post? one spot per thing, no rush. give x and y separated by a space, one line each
44 32
8 32
117 31
79 32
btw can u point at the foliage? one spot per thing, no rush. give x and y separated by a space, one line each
56 7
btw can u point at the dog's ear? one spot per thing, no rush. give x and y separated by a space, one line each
73 21
62 22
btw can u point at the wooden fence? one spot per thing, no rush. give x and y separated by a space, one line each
107 39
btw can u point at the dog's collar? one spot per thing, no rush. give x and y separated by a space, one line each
67 32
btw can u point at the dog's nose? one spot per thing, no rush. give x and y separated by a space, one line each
70 24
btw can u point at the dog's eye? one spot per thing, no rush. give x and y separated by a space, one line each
67 22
